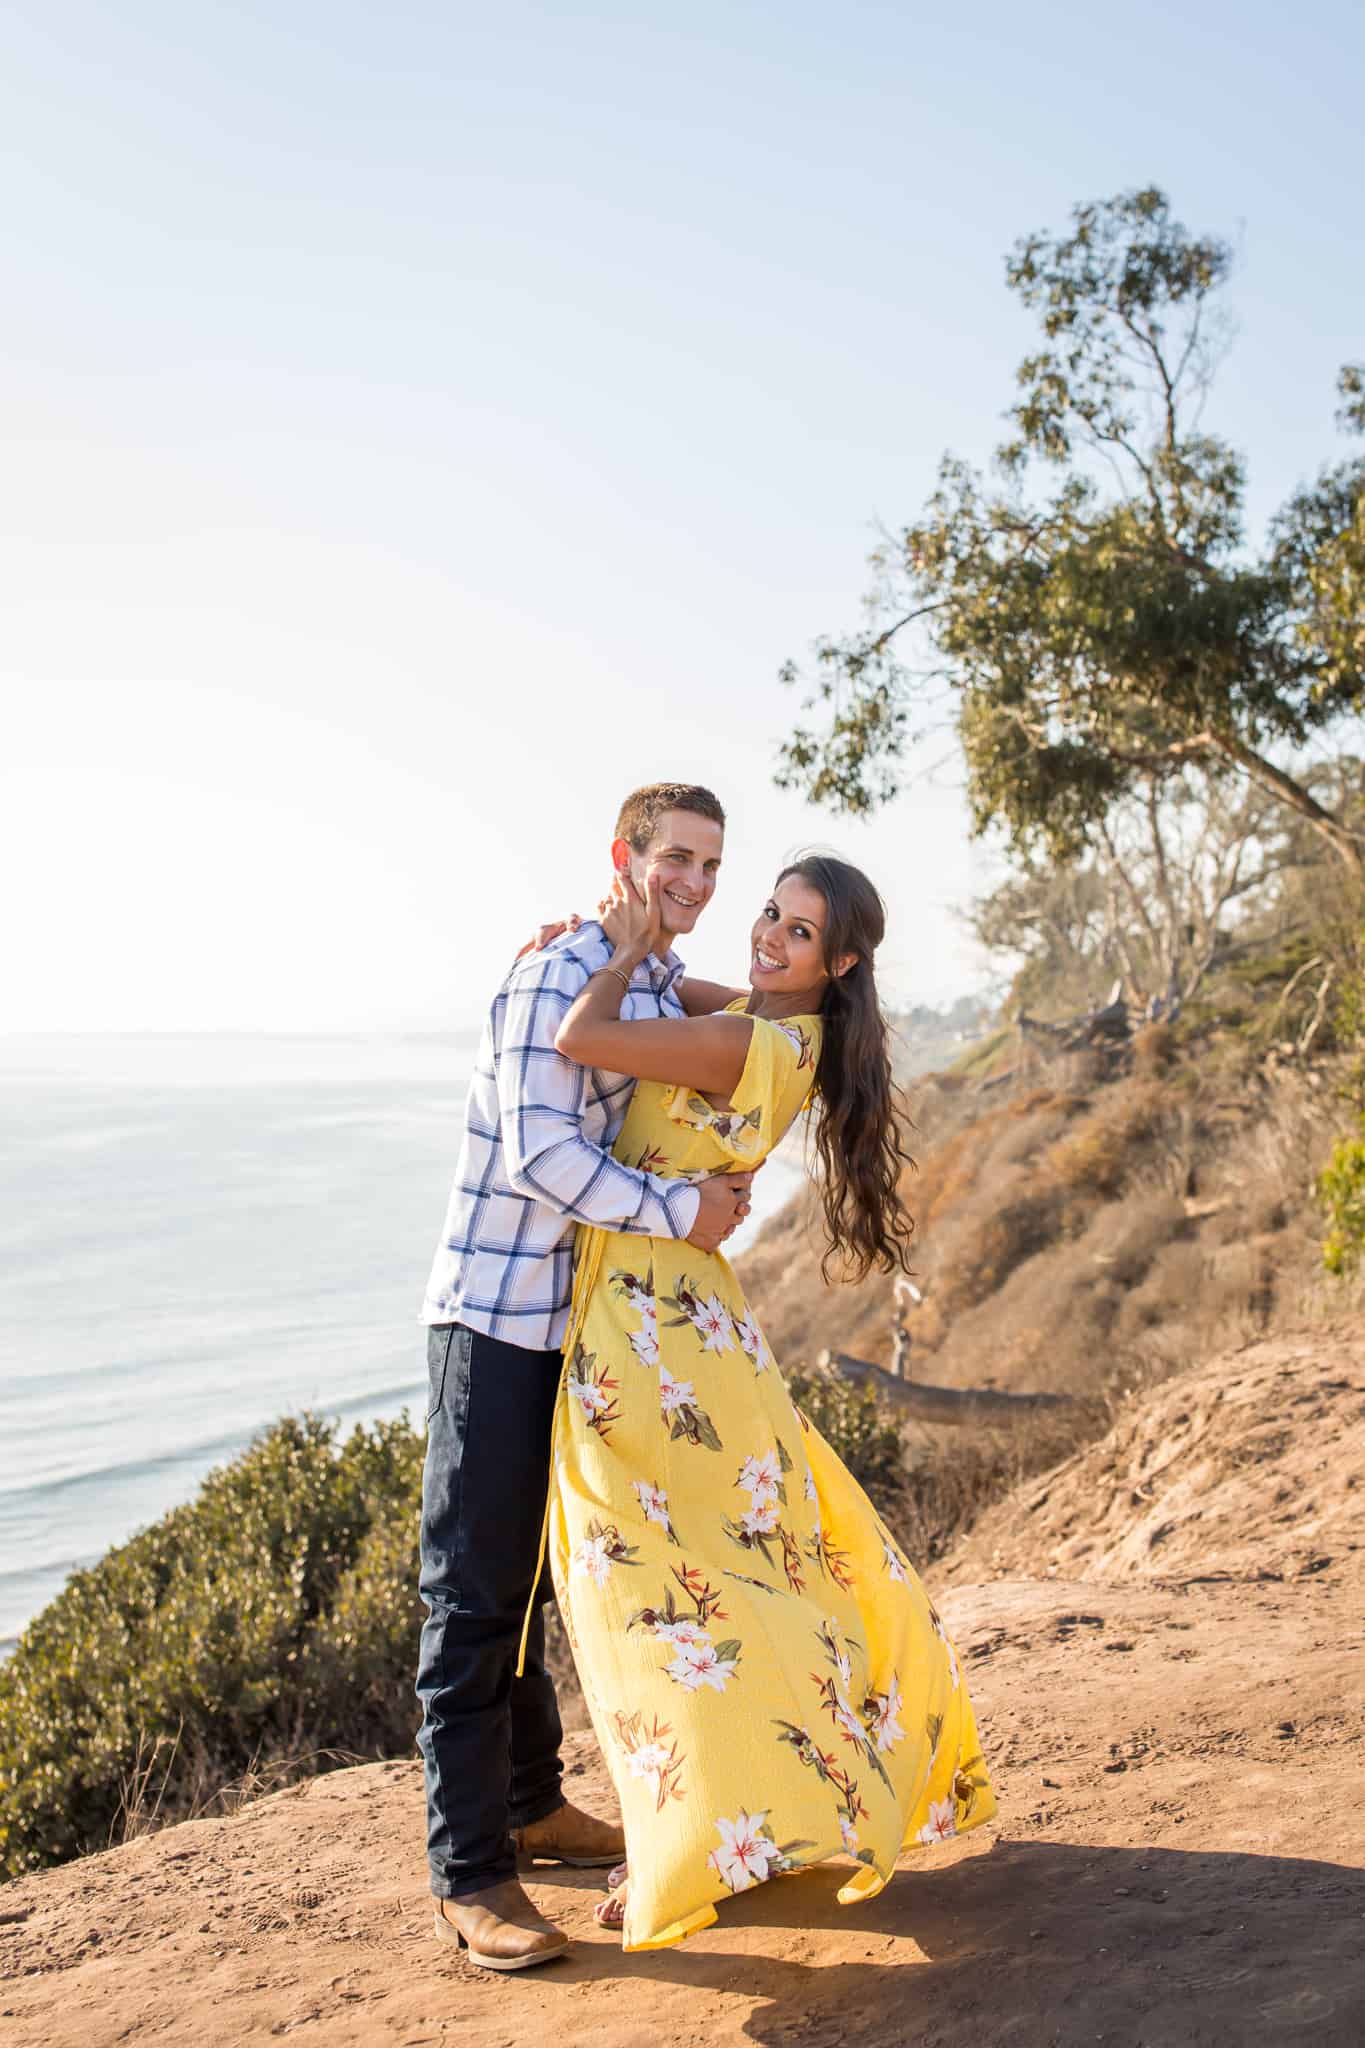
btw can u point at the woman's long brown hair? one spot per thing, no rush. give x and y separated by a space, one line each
858 1111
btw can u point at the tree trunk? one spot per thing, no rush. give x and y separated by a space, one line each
940 1404
1348 845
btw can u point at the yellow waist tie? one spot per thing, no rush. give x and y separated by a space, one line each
588 1250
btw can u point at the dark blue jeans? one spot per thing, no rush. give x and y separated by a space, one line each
489 1740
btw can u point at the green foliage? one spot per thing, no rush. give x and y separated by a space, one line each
275 1613
1106 626
856 1425
1351 390
1341 1192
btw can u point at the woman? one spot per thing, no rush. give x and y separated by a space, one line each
769 1682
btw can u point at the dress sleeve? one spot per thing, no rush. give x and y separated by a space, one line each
780 1057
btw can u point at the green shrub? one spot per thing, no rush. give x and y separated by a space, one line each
1341 1192
856 1425
275 1614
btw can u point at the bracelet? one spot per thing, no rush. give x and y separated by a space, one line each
620 974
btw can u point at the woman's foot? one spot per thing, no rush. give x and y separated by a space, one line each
611 1911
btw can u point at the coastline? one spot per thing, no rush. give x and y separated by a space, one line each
111 1496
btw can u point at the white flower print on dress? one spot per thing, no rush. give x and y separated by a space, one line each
593 1558
836 1648
654 1505
644 1342
761 1520
746 1855
894 1565
698 1660
941 1632
882 1709
845 1718
593 1400
682 1631
600 1549
761 1477
803 1043
942 1821
752 1341
593 1387
680 1409
638 1294
712 1324
648 1759
650 1756
850 1835
674 1394
699 1664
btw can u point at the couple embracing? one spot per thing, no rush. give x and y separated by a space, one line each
769 1682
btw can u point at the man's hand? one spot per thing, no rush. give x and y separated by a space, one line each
544 933
724 1205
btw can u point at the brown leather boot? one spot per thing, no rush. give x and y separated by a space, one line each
500 1928
570 1836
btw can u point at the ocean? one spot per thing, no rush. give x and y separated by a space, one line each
198 1235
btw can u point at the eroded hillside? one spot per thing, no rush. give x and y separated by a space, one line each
1074 1235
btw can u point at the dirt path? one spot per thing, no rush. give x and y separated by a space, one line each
1180 1857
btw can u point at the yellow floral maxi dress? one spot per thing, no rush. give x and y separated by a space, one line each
767 1677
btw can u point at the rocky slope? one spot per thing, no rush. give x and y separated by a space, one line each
1165 1653
1076 1234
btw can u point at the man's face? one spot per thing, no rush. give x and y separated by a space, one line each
685 854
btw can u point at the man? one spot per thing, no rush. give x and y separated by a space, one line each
534 1162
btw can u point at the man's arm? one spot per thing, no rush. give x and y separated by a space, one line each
540 1102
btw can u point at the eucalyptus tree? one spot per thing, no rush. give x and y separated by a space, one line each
1090 608
1167 891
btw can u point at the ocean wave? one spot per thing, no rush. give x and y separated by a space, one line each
226 1445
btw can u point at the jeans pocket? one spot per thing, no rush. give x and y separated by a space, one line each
439 1339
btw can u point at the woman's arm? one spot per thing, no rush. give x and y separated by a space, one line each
699 1052
704 998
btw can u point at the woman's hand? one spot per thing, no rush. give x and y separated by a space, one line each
632 922
544 933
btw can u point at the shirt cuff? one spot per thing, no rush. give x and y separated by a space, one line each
681 1205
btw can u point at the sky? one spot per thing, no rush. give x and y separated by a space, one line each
423 424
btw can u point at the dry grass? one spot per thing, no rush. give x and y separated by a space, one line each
1080 1242
1090 1242
147 1803
952 1481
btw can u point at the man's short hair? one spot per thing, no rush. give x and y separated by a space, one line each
639 815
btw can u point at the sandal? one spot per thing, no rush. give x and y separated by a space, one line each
611 1911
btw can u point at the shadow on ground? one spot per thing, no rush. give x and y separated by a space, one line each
1046 1945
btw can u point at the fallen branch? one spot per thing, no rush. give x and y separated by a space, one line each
940 1404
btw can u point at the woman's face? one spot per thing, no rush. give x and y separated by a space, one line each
788 943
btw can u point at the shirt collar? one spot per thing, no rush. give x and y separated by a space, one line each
660 972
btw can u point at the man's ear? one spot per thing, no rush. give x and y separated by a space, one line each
845 965
620 856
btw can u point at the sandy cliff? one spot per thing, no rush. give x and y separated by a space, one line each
1163 1638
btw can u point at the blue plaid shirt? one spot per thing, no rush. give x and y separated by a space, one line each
535 1158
